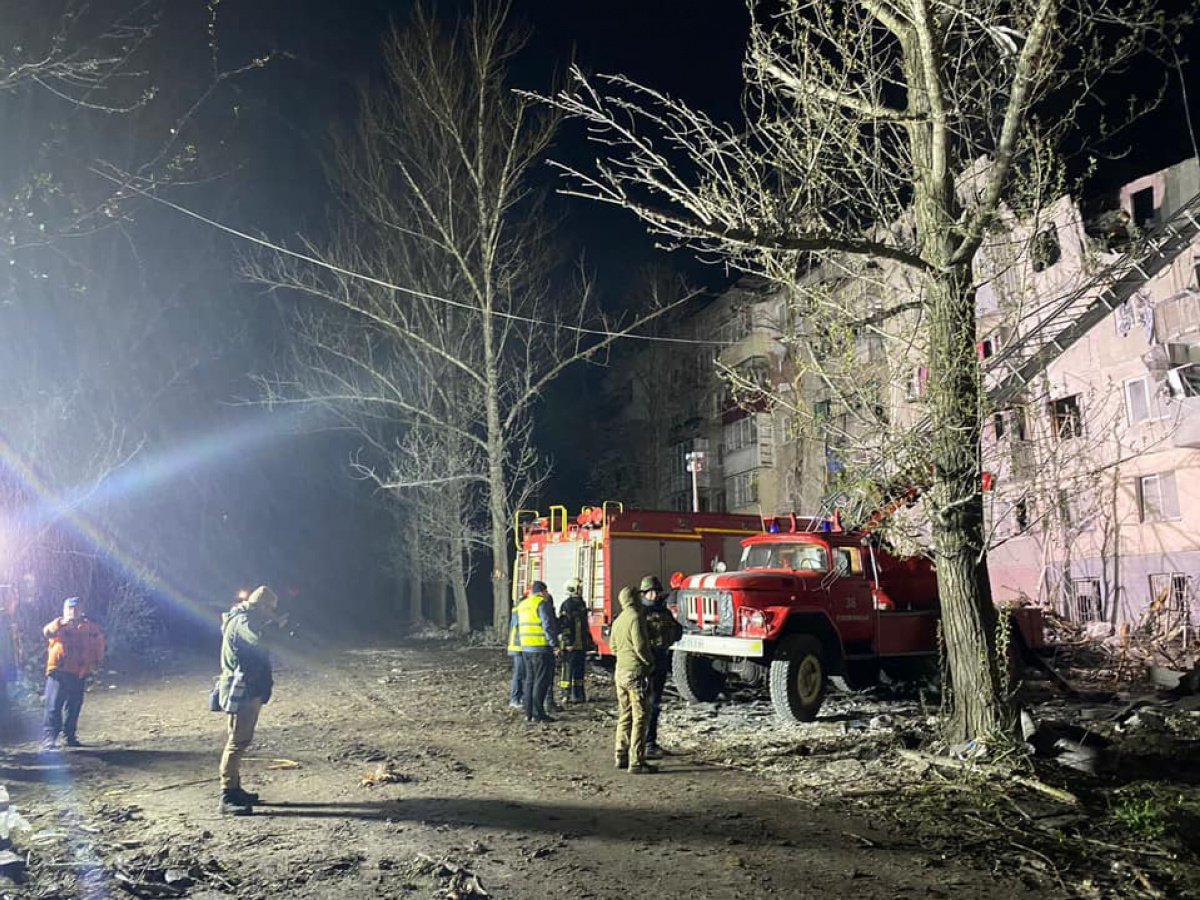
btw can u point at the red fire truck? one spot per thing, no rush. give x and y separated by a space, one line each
810 603
608 547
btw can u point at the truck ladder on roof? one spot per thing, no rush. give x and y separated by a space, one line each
1078 312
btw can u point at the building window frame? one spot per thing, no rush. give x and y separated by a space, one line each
1086 600
1133 388
1066 417
741 489
1158 498
740 434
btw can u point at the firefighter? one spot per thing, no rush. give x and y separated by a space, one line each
537 631
635 662
76 650
663 630
575 641
246 685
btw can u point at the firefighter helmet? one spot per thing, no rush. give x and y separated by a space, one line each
573 586
650 583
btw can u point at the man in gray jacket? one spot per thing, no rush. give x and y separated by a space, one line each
635 662
245 687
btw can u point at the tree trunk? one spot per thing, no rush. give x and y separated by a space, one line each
437 605
415 578
979 707
462 612
497 486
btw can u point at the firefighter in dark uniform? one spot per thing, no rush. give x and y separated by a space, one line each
663 630
575 641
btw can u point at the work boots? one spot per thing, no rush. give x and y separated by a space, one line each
232 804
622 761
643 769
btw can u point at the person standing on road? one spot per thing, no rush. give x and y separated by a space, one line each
575 641
10 650
537 632
516 689
246 685
75 651
663 630
635 662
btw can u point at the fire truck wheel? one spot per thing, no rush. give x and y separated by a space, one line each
695 678
798 678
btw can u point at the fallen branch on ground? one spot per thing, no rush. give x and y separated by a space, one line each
958 765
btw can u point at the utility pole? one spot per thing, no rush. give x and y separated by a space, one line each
695 465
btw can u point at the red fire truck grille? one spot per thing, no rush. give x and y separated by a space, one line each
707 611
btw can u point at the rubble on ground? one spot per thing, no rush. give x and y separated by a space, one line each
1106 768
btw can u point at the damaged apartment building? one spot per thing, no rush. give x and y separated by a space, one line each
1089 342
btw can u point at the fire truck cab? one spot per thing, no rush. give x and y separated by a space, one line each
608 547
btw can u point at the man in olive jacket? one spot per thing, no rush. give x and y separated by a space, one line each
635 662
246 685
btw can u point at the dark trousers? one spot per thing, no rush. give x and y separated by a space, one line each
574 670
64 699
539 673
515 693
658 681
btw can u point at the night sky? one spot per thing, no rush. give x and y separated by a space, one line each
261 136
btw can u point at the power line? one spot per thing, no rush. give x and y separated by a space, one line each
371 279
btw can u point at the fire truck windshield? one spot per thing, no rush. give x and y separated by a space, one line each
799 557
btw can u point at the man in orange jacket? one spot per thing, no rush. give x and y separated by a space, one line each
76 651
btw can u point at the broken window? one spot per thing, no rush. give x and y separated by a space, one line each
1137 400
1184 381
1021 512
1170 602
1157 497
1168 588
1046 250
1086 600
1066 418
1143 207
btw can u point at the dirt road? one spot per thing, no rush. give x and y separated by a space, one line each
483 800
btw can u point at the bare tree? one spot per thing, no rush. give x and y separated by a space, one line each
95 374
464 320
865 124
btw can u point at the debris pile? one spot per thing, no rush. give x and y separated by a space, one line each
454 882
1096 794
383 773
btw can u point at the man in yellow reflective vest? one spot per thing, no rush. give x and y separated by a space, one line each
516 691
537 631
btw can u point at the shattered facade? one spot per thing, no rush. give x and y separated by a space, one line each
1097 509
1095 461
